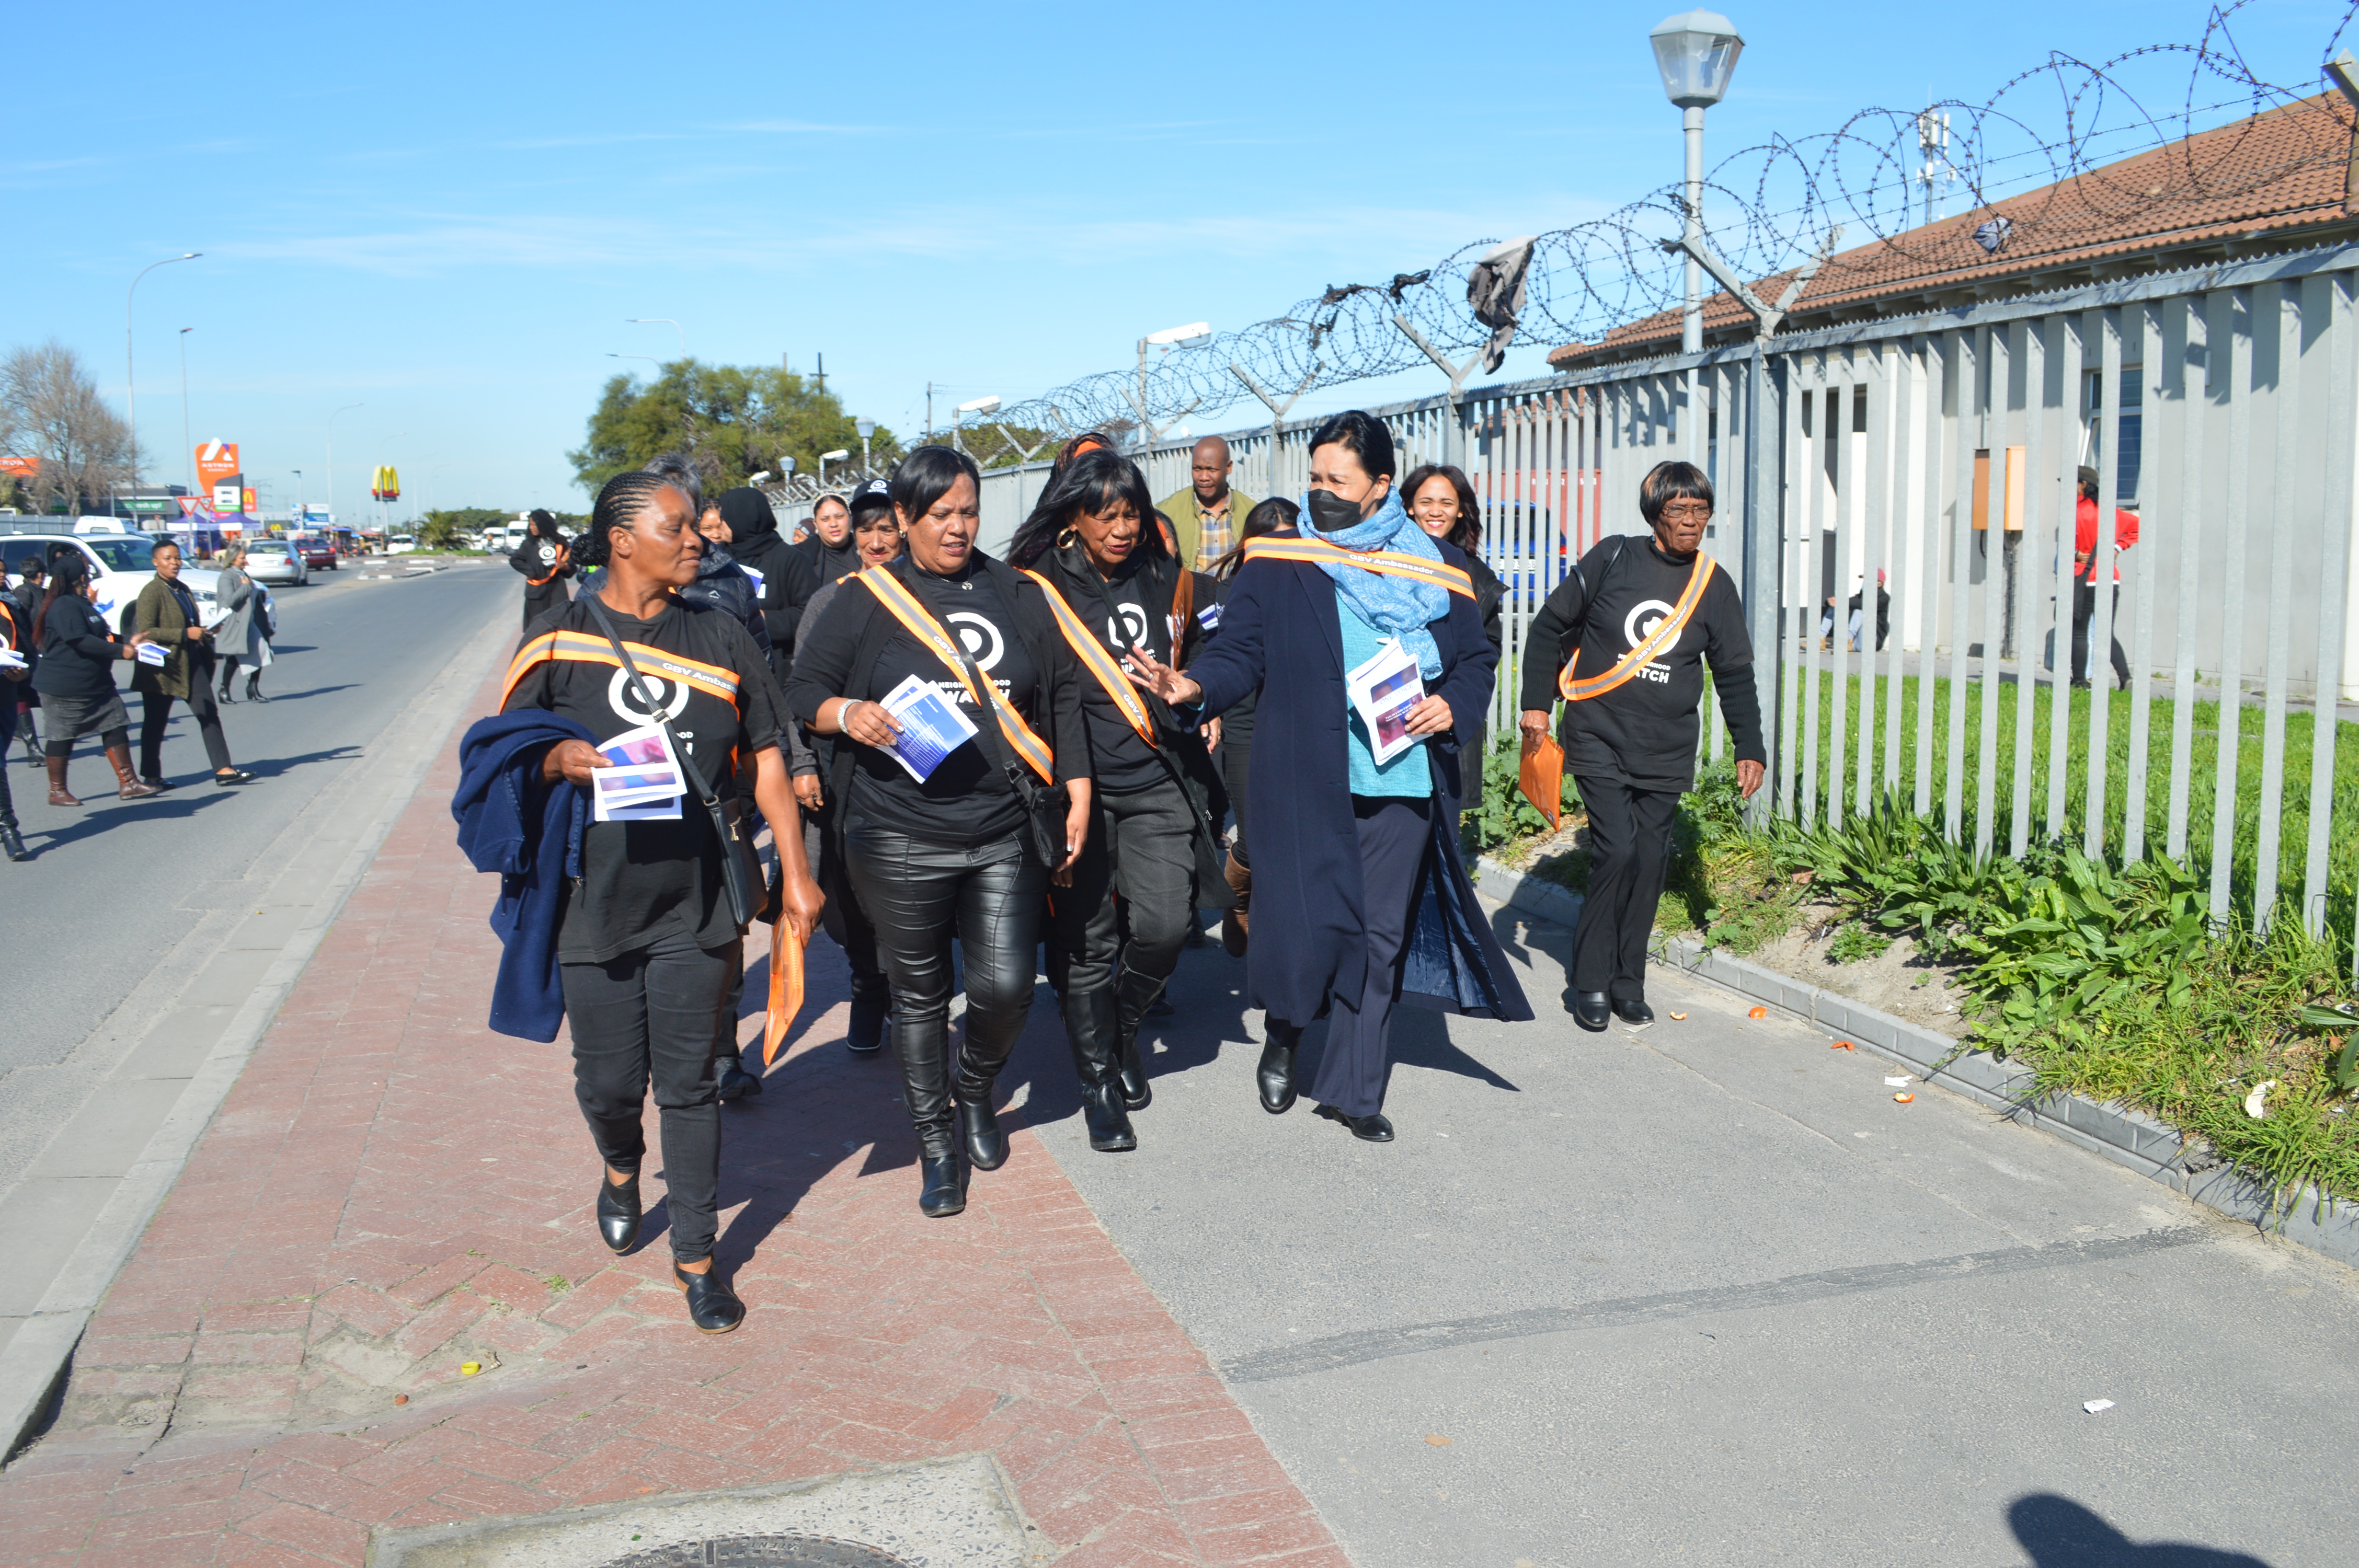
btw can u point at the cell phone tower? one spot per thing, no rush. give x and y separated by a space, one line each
1936 174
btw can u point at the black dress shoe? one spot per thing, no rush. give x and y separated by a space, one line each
1633 1009
1109 1123
713 1306
154 780
1275 1075
986 1145
736 1082
1589 1010
945 1190
618 1214
234 776
1373 1127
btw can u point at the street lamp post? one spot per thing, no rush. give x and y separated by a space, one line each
1696 51
1194 335
188 447
130 384
836 456
665 322
867 427
331 457
979 405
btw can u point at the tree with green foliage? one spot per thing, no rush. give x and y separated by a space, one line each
997 446
730 421
446 530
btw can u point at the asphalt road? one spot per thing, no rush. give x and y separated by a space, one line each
115 886
1703 1293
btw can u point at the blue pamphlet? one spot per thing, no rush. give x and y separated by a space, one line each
930 728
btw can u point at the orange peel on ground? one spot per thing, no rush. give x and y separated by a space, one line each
1904 1099
1840 1045
1756 1013
1678 1018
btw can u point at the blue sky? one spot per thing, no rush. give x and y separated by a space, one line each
445 213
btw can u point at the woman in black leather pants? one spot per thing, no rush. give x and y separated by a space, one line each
950 855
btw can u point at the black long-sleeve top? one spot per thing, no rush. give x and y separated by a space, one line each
78 652
1005 625
1643 732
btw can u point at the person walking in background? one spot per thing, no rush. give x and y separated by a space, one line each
754 540
545 561
245 636
2085 578
822 555
821 766
1440 500
1091 539
958 852
166 615
26 702
1236 728
1359 890
13 673
1204 515
1624 639
76 679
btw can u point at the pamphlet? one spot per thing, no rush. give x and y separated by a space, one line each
151 653
663 810
11 660
1383 690
930 728
755 573
644 774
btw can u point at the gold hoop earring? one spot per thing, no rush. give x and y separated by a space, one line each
1066 540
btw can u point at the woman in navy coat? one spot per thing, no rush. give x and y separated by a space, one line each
1359 895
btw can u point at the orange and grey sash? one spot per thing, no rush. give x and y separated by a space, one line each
587 648
1665 634
922 624
1391 563
1098 662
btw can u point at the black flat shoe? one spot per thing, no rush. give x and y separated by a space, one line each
1373 1128
736 1082
713 1306
1274 1077
154 780
618 1214
234 776
986 1145
1109 1124
1589 1011
945 1190
1633 1011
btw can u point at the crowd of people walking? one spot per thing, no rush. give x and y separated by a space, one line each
976 770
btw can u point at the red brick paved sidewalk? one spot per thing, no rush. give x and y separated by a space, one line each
391 1190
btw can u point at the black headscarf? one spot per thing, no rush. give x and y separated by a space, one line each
747 513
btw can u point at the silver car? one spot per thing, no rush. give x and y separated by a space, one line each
275 560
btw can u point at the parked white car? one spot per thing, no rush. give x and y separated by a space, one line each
275 560
400 545
120 565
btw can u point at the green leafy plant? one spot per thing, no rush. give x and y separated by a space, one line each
1855 943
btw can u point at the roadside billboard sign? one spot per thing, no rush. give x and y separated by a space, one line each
216 461
226 496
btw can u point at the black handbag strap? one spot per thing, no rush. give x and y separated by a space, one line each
646 700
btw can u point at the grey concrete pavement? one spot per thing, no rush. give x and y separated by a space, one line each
144 941
1704 1292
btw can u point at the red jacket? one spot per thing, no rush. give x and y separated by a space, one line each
2084 538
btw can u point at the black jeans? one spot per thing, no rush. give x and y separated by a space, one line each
157 713
919 895
1236 772
1142 843
2084 611
654 1016
1395 833
1629 856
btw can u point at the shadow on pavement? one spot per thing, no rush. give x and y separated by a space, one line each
300 696
176 805
2061 1533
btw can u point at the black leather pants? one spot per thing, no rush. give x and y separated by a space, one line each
919 895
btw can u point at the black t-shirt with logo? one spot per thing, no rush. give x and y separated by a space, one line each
642 880
1644 732
965 800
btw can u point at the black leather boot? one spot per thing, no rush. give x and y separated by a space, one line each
12 843
1274 1077
223 694
618 1213
1090 1030
986 1145
713 1306
1133 994
922 1049
944 1192
735 1082
254 694
871 999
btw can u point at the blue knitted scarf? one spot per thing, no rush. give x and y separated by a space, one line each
1394 605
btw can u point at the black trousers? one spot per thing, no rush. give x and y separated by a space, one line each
1629 856
1236 772
653 1017
920 896
156 712
843 919
1395 834
2084 611
1142 844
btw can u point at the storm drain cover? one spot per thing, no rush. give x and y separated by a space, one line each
763 1552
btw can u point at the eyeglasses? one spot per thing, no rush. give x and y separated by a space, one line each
1688 512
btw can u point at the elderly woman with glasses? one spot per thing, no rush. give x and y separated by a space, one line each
1624 640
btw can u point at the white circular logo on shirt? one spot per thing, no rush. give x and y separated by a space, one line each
625 703
1640 625
1131 632
978 636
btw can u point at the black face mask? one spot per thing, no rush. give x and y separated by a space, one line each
1330 512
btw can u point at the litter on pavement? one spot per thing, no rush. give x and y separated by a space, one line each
2256 1103
1757 1012
2093 1406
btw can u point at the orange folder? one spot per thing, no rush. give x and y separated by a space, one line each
1541 778
786 987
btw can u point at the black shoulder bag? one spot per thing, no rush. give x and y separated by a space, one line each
741 868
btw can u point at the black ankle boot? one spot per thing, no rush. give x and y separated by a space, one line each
1090 1031
1134 995
11 841
223 694
618 1213
864 1032
986 1145
254 692
1275 1075
735 1082
945 1190
713 1306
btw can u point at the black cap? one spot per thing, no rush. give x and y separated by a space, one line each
872 487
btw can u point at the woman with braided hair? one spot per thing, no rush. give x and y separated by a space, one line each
648 943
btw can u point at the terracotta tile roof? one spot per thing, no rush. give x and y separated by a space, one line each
2277 175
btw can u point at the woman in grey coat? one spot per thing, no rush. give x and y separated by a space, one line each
242 636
